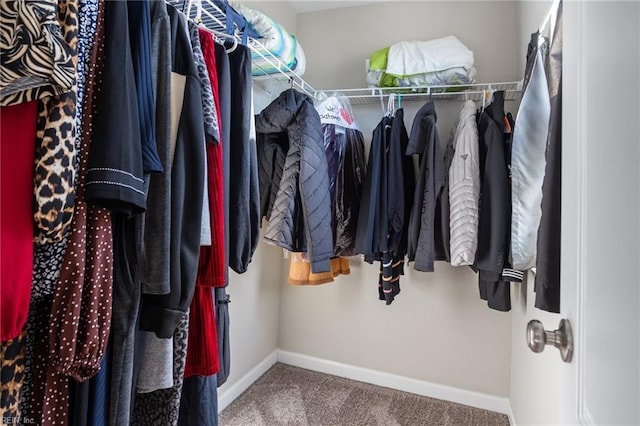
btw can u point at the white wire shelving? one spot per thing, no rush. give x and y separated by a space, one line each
214 18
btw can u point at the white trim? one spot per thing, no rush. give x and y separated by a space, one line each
512 417
227 395
393 381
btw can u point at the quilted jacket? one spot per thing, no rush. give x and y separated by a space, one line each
300 212
464 189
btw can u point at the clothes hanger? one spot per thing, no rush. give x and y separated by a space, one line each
198 20
391 105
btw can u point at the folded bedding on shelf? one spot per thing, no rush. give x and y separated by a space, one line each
261 67
443 61
274 40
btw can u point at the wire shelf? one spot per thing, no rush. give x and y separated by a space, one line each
474 92
214 18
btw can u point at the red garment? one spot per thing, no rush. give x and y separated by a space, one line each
17 153
217 266
202 349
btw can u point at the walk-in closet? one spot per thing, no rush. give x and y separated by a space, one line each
320 212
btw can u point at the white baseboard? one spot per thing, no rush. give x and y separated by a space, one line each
512 418
393 381
227 395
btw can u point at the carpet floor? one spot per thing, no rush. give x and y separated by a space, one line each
287 395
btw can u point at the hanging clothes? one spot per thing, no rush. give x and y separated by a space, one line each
12 354
349 184
85 282
344 149
202 353
156 354
162 407
495 207
18 127
48 258
464 188
244 209
140 36
527 158
372 197
547 281
221 297
199 402
42 61
56 150
386 204
304 178
423 232
161 313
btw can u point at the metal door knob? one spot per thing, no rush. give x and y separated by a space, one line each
562 338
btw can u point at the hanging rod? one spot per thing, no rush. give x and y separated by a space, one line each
473 91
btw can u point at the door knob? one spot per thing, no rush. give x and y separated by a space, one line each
562 338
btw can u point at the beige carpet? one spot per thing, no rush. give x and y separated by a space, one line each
287 395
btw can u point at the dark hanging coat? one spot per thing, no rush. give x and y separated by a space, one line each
386 202
494 228
304 187
547 283
423 232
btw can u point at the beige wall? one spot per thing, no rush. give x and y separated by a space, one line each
254 312
534 377
437 330
337 42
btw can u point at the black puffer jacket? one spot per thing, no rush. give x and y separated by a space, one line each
304 178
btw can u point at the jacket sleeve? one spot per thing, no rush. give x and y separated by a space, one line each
244 197
314 191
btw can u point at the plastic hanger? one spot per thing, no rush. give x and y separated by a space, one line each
391 105
198 5
198 20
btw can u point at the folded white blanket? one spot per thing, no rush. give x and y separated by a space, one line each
452 76
419 57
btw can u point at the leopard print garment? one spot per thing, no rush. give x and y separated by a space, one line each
48 257
38 51
55 166
162 407
13 362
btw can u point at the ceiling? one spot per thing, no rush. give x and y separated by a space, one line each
303 6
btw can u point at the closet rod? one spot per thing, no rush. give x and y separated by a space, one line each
473 91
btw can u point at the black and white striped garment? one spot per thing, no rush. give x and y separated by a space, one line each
38 56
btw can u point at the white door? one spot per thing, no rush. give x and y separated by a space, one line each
601 212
